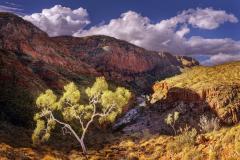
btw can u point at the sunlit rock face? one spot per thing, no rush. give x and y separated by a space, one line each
118 60
31 61
218 87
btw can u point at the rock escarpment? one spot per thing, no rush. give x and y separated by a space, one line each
96 55
218 87
31 61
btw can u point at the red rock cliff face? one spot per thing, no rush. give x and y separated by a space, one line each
118 60
222 100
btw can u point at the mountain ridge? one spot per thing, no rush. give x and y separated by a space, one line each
98 55
32 61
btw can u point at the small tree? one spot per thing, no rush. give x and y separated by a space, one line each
104 105
171 120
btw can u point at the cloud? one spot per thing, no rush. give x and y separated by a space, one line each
60 20
12 4
200 45
12 9
207 18
221 58
166 35
139 30
170 34
183 31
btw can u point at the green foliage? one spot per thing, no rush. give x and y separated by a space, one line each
98 87
188 136
103 105
171 119
40 126
47 100
118 98
71 94
43 130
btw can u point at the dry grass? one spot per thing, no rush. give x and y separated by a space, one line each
201 77
218 86
223 144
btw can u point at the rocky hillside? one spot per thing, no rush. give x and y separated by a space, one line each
96 55
31 61
210 88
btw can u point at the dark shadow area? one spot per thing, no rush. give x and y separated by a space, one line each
185 101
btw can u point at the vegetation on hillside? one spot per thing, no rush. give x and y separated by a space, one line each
189 143
217 86
201 77
223 144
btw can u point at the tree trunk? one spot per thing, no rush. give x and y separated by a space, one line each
75 134
83 146
174 130
82 141
79 140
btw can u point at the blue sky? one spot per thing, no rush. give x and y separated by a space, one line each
100 13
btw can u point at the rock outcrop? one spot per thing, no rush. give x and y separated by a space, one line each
218 87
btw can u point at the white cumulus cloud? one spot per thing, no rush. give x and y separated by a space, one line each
200 45
221 58
139 30
207 18
170 34
60 20
166 35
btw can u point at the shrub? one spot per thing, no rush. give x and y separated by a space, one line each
208 125
171 120
188 135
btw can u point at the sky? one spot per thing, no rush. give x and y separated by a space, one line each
208 30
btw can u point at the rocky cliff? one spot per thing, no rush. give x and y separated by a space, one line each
217 87
31 61
96 55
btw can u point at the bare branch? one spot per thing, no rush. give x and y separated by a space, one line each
65 130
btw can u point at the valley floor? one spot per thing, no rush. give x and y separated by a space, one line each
217 145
